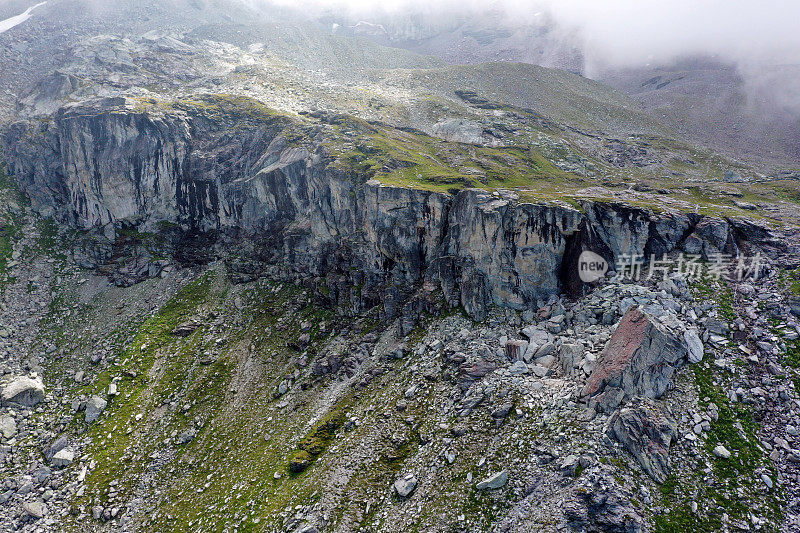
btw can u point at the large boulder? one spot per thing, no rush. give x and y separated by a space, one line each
647 435
23 391
711 236
638 361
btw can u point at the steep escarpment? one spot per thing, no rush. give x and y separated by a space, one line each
225 177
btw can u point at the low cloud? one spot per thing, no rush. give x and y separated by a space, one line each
628 32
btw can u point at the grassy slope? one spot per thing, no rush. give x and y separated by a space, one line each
735 429
560 96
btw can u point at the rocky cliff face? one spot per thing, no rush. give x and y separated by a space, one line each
267 191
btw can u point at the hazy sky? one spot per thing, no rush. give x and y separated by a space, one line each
640 31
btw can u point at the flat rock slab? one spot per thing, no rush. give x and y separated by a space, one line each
495 481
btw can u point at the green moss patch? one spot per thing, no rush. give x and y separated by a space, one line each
143 389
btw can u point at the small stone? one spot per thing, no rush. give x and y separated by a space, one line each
283 387
405 485
63 458
722 451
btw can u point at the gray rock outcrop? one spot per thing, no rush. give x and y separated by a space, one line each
258 200
647 435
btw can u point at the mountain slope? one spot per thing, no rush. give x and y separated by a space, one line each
258 277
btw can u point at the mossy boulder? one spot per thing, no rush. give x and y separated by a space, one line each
300 461
317 440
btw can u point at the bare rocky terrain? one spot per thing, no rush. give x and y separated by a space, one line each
259 276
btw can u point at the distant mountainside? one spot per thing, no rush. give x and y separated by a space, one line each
709 102
706 100
462 37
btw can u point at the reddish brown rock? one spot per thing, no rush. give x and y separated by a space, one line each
515 349
470 373
639 360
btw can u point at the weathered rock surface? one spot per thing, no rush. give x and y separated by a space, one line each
59 444
23 391
639 360
694 346
63 458
722 451
34 509
405 485
8 426
647 435
258 200
600 505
